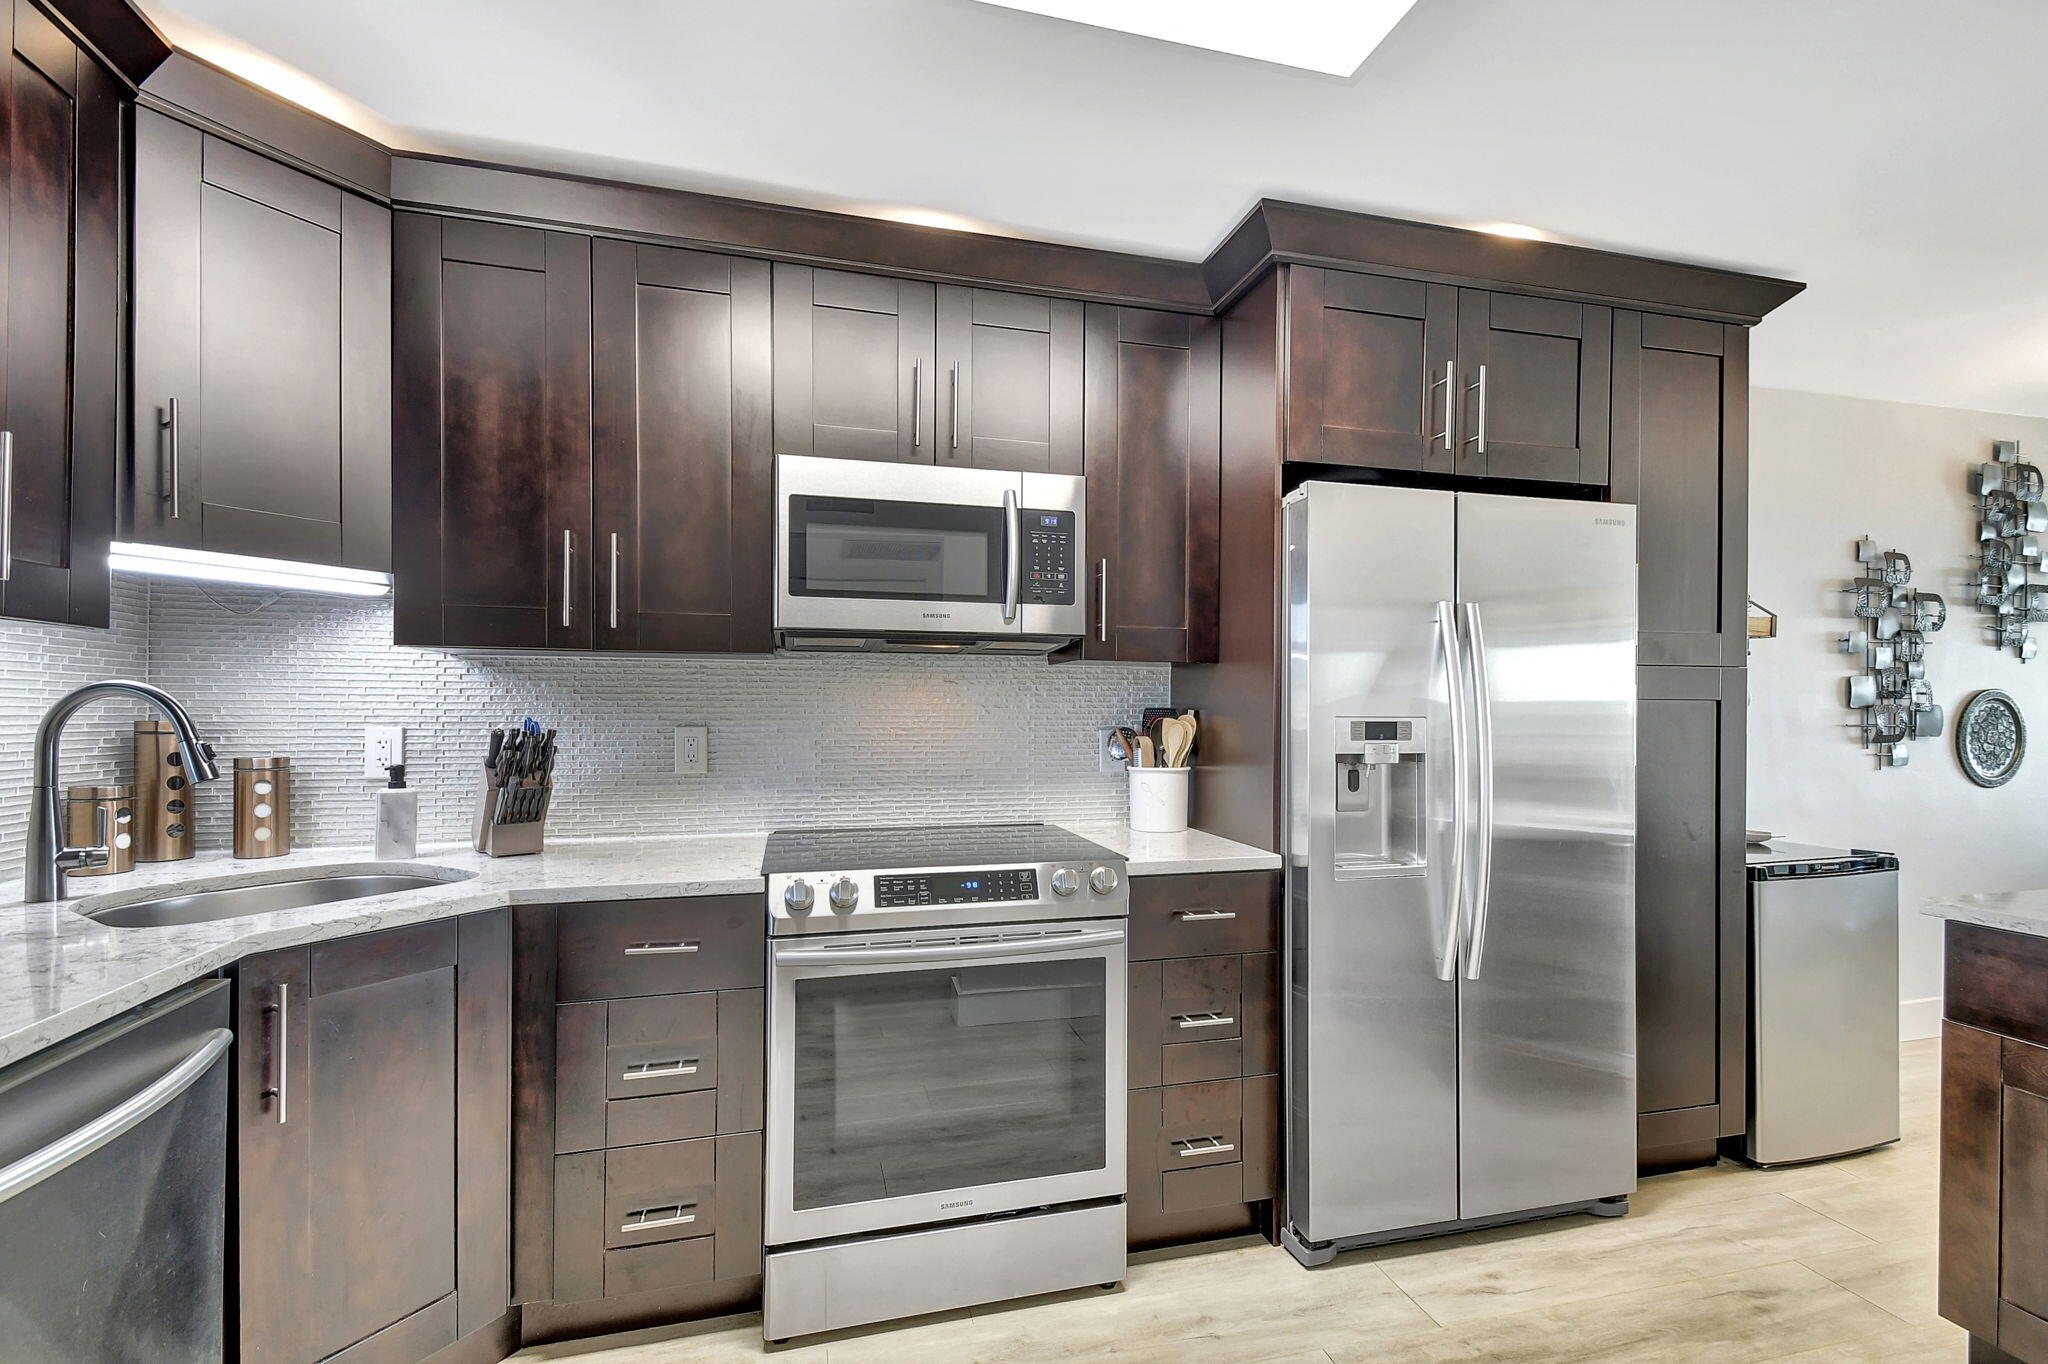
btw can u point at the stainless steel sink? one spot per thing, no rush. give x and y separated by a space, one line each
234 902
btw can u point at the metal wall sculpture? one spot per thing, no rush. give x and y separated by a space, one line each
2011 514
1892 694
1991 738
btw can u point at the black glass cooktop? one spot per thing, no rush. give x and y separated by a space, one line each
942 845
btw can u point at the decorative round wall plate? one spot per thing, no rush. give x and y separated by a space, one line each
1991 738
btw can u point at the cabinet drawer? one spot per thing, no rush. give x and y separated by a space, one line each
1184 1062
661 1192
1199 1119
616 1060
1200 1124
1200 916
661 1044
642 1269
1203 1018
662 1117
660 947
1201 999
619 1216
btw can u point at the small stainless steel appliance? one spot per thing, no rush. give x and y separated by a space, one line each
921 558
1460 844
946 1044
1824 1002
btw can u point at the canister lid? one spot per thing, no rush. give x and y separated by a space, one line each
99 793
261 764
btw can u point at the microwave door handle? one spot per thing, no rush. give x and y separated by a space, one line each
1013 556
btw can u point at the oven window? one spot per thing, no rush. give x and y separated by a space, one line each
951 1077
908 551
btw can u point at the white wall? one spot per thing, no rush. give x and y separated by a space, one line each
1823 472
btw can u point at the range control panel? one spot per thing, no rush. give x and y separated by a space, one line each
956 888
1049 567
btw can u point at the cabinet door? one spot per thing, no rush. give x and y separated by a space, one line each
60 241
1366 370
1153 443
1691 911
262 364
373 1108
1681 454
683 465
854 370
1533 376
491 435
1009 372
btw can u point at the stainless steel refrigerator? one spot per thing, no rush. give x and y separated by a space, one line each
1460 844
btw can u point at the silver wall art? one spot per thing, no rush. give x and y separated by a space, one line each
1891 695
2011 514
1991 738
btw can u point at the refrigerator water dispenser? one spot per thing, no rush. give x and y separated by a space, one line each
1379 796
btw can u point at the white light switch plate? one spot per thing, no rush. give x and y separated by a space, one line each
383 746
693 750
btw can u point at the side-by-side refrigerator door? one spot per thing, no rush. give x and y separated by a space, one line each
1371 953
1547 995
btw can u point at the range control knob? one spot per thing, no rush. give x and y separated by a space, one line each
1102 880
799 898
1065 881
844 895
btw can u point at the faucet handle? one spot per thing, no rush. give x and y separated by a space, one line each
90 858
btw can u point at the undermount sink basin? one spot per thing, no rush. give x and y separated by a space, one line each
234 902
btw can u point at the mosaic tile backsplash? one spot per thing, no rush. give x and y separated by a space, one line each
829 740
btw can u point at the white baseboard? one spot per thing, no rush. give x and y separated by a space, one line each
1919 1018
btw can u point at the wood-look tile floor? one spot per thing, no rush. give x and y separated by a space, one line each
1824 1264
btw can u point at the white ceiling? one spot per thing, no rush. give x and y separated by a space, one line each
1893 154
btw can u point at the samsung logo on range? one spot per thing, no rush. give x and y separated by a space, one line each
937 615
963 1203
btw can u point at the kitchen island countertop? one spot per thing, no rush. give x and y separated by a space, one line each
60 972
2014 911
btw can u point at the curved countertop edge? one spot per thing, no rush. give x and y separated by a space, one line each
61 973
2013 911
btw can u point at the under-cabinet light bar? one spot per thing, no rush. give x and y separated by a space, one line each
205 565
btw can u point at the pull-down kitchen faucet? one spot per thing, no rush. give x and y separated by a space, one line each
49 857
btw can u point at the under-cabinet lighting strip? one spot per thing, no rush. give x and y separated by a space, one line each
208 566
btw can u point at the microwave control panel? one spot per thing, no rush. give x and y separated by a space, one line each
956 888
1048 559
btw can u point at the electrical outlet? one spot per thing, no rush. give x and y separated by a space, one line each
693 750
1105 761
383 746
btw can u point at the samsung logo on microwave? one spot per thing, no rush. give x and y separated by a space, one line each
936 615
963 1203
1609 521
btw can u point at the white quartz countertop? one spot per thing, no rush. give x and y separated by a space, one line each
60 972
2015 911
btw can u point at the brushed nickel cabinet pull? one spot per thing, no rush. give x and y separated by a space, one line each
281 1058
615 580
658 1070
1202 916
6 505
568 558
167 420
1449 384
1203 1020
1203 1146
660 949
1480 389
649 1219
955 423
916 403
1102 601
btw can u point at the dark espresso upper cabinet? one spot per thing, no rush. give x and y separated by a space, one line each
1681 454
1153 458
855 370
1532 382
1009 372
59 254
1368 359
682 462
1405 375
491 435
373 1115
262 358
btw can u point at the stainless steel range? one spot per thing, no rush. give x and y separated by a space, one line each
946 1047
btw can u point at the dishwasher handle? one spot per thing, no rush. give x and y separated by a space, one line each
130 1113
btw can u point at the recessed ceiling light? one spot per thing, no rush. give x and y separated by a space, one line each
1331 36
1520 230
164 561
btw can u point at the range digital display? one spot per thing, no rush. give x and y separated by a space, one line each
955 888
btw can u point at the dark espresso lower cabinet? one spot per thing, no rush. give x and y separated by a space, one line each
373 1115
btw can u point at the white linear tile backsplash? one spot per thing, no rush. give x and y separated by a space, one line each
832 740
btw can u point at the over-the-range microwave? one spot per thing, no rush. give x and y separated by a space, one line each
918 557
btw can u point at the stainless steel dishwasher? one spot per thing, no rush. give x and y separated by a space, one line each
113 1190
1824 1002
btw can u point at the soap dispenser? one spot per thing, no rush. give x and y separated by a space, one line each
398 817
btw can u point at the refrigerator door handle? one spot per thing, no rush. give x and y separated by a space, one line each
1461 723
1482 857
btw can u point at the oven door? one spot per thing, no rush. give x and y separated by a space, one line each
930 1075
865 548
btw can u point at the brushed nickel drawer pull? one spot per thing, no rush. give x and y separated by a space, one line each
1203 1146
1202 916
659 949
1208 1020
658 1070
650 1219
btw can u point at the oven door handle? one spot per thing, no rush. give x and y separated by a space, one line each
1005 947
